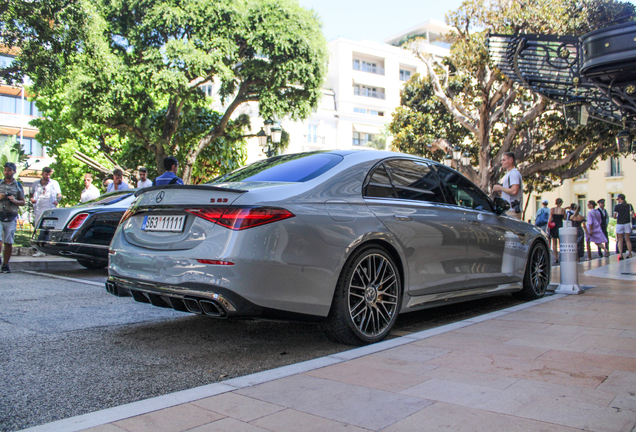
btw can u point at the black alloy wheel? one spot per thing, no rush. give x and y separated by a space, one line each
537 276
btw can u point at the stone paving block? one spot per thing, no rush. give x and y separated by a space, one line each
291 420
397 365
238 407
355 405
475 378
448 417
174 419
590 359
623 401
586 395
619 382
413 353
228 425
104 428
367 376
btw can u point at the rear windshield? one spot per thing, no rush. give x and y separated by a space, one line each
111 198
285 168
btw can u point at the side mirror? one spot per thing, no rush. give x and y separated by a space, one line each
501 205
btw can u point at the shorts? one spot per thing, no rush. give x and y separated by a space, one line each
624 228
514 214
8 231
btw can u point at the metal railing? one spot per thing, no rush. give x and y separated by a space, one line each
614 174
368 93
366 68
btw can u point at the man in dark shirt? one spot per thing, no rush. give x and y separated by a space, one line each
604 222
623 214
11 198
171 164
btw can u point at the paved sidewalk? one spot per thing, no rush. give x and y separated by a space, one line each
562 363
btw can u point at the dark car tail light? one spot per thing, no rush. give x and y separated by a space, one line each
127 214
77 221
240 218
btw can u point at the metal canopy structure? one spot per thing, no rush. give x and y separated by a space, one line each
597 70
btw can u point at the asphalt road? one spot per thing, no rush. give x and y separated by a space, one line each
68 348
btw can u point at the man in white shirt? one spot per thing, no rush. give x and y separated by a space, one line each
45 194
512 185
118 182
143 178
90 192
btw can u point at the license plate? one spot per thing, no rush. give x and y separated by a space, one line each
163 223
48 223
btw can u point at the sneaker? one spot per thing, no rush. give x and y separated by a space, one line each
39 254
5 268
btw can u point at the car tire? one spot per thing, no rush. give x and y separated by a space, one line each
92 265
537 276
367 299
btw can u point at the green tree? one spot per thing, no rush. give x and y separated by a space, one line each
42 34
11 151
146 61
464 101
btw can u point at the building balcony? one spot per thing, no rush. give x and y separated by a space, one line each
366 68
369 93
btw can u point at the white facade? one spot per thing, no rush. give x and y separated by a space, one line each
361 92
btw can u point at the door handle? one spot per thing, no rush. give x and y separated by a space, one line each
402 218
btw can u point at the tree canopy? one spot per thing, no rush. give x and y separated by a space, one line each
464 101
140 81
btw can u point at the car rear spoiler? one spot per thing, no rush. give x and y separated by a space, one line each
176 186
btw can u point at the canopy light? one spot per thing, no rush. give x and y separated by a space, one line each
466 159
624 141
575 112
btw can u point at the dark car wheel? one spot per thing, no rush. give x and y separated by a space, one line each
92 265
537 277
367 299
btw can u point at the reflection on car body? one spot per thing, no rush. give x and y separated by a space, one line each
348 238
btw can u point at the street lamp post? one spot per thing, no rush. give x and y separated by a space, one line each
457 156
268 137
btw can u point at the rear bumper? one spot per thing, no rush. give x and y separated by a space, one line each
83 251
202 299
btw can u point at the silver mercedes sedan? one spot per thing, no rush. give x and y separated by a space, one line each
347 238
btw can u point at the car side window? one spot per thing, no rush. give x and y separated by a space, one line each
414 181
379 185
462 192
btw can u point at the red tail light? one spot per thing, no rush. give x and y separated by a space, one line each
240 218
77 221
126 215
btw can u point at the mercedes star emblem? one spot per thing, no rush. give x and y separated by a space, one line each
160 196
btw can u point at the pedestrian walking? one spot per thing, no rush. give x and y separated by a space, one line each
118 182
171 164
594 231
623 213
542 216
11 199
143 178
511 187
45 194
90 192
555 222
604 223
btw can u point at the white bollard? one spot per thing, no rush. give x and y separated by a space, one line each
568 259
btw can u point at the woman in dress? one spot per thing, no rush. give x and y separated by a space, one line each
555 221
594 230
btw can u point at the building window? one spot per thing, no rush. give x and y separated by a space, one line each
405 75
13 105
615 167
367 66
208 89
367 91
614 201
362 139
368 111
537 204
312 133
581 200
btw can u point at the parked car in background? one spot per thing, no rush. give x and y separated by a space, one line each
348 238
84 231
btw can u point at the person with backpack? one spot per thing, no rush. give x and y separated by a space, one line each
11 199
623 213
542 216
171 164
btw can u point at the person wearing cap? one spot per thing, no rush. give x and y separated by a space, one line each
90 192
623 214
11 199
542 216
604 223
143 178
45 194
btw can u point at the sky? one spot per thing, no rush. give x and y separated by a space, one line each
376 20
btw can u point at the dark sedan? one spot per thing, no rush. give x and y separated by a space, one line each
84 231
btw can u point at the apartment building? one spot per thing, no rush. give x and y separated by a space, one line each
361 91
610 178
